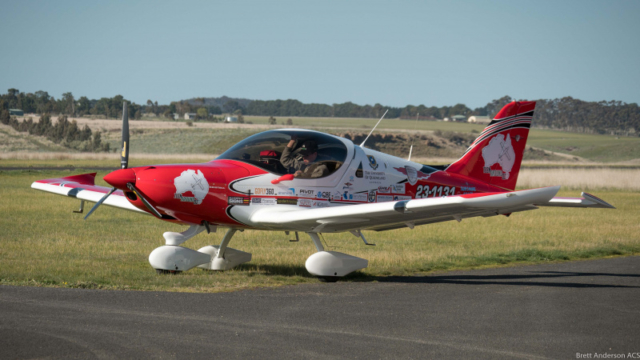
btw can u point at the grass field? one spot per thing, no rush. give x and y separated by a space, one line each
44 244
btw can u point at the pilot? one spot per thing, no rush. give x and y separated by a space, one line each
305 163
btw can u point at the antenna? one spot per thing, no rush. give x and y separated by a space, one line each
415 127
365 139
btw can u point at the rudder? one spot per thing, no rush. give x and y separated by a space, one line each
495 156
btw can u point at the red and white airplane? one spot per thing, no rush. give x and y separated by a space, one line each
250 186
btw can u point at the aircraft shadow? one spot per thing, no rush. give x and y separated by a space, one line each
512 280
506 279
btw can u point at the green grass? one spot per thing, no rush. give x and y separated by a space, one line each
44 244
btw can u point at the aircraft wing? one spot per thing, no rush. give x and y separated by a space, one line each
398 214
83 187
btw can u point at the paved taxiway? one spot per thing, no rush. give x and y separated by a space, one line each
543 311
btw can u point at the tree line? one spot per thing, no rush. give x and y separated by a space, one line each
41 102
64 132
604 117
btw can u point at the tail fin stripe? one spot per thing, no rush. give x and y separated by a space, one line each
495 123
529 113
502 127
505 126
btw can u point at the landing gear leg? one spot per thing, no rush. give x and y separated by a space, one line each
329 266
223 257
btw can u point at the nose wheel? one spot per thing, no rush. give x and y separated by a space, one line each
173 258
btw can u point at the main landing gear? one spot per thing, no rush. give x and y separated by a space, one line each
329 266
172 257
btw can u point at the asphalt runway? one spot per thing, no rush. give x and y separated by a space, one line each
545 311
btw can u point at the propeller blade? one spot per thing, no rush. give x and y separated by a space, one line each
124 155
99 202
144 201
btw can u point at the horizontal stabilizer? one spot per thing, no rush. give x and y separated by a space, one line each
586 201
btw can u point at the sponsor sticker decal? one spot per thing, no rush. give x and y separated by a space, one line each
287 192
401 197
398 188
372 162
307 193
239 200
372 196
217 186
375 177
287 202
413 175
263 201
362 197
264 191
384 189
384 198
306 202
324 195
320 203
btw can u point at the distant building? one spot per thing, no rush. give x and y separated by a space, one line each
16 112
189 116
231 119
479 119
446 119
176 116
459 118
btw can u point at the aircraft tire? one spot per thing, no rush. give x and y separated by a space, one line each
164 272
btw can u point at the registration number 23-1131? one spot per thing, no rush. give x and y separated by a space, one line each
423 191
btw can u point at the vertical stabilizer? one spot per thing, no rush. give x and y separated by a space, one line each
495 156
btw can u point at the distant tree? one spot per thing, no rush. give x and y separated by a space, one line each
230 106
494 106
272 120
289 121
4 117
202 113
84 106
68 104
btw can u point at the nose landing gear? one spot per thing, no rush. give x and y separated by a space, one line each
172 258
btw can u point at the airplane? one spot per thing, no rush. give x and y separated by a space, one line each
352 189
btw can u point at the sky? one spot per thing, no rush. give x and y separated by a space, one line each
390 52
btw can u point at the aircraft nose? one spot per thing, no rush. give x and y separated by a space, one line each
120 178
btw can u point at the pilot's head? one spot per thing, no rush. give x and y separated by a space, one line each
309 150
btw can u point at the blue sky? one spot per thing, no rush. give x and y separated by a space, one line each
389 52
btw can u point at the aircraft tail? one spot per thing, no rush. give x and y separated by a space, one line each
495 156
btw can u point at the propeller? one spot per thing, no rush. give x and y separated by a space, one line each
124 155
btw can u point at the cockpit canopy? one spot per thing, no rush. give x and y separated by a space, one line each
264 150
